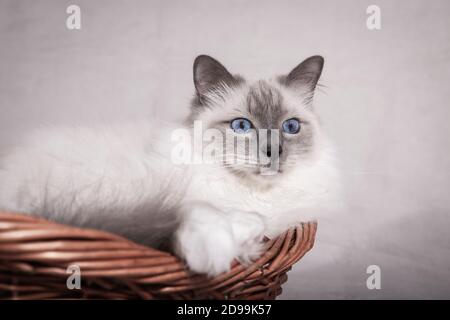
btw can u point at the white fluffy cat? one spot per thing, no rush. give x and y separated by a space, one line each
123 178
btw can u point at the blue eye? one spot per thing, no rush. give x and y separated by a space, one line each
241 125
291 126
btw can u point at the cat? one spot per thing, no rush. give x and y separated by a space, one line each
124 178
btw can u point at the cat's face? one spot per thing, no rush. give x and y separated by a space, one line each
268 126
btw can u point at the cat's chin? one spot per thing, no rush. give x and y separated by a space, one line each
264 174
267 177
264 178
270 175
265 181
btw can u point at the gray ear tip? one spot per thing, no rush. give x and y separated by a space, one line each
306 73
202 58
318 59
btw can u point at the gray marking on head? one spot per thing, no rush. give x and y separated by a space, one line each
265 103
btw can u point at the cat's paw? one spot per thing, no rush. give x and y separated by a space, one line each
249 229
205 240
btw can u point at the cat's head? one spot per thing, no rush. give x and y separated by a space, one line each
273 116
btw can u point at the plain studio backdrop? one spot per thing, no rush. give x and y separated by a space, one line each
385 104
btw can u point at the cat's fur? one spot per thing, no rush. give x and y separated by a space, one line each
121 178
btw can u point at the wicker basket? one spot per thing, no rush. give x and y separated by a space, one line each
35 254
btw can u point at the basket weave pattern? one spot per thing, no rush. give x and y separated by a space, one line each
35 254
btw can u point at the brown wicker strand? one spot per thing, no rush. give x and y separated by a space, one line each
35 254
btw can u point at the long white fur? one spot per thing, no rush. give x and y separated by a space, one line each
121 178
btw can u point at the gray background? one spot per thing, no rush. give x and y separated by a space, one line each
385 105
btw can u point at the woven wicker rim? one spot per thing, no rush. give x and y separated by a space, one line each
35 253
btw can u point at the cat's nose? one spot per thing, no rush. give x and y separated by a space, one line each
269 151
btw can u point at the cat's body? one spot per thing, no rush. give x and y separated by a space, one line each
122 178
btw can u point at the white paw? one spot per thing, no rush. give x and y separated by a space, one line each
249 229
209 239
205 240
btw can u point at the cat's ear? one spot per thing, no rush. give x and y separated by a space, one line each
306 74
209 74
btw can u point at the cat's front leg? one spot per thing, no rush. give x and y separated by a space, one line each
209 238
249 229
